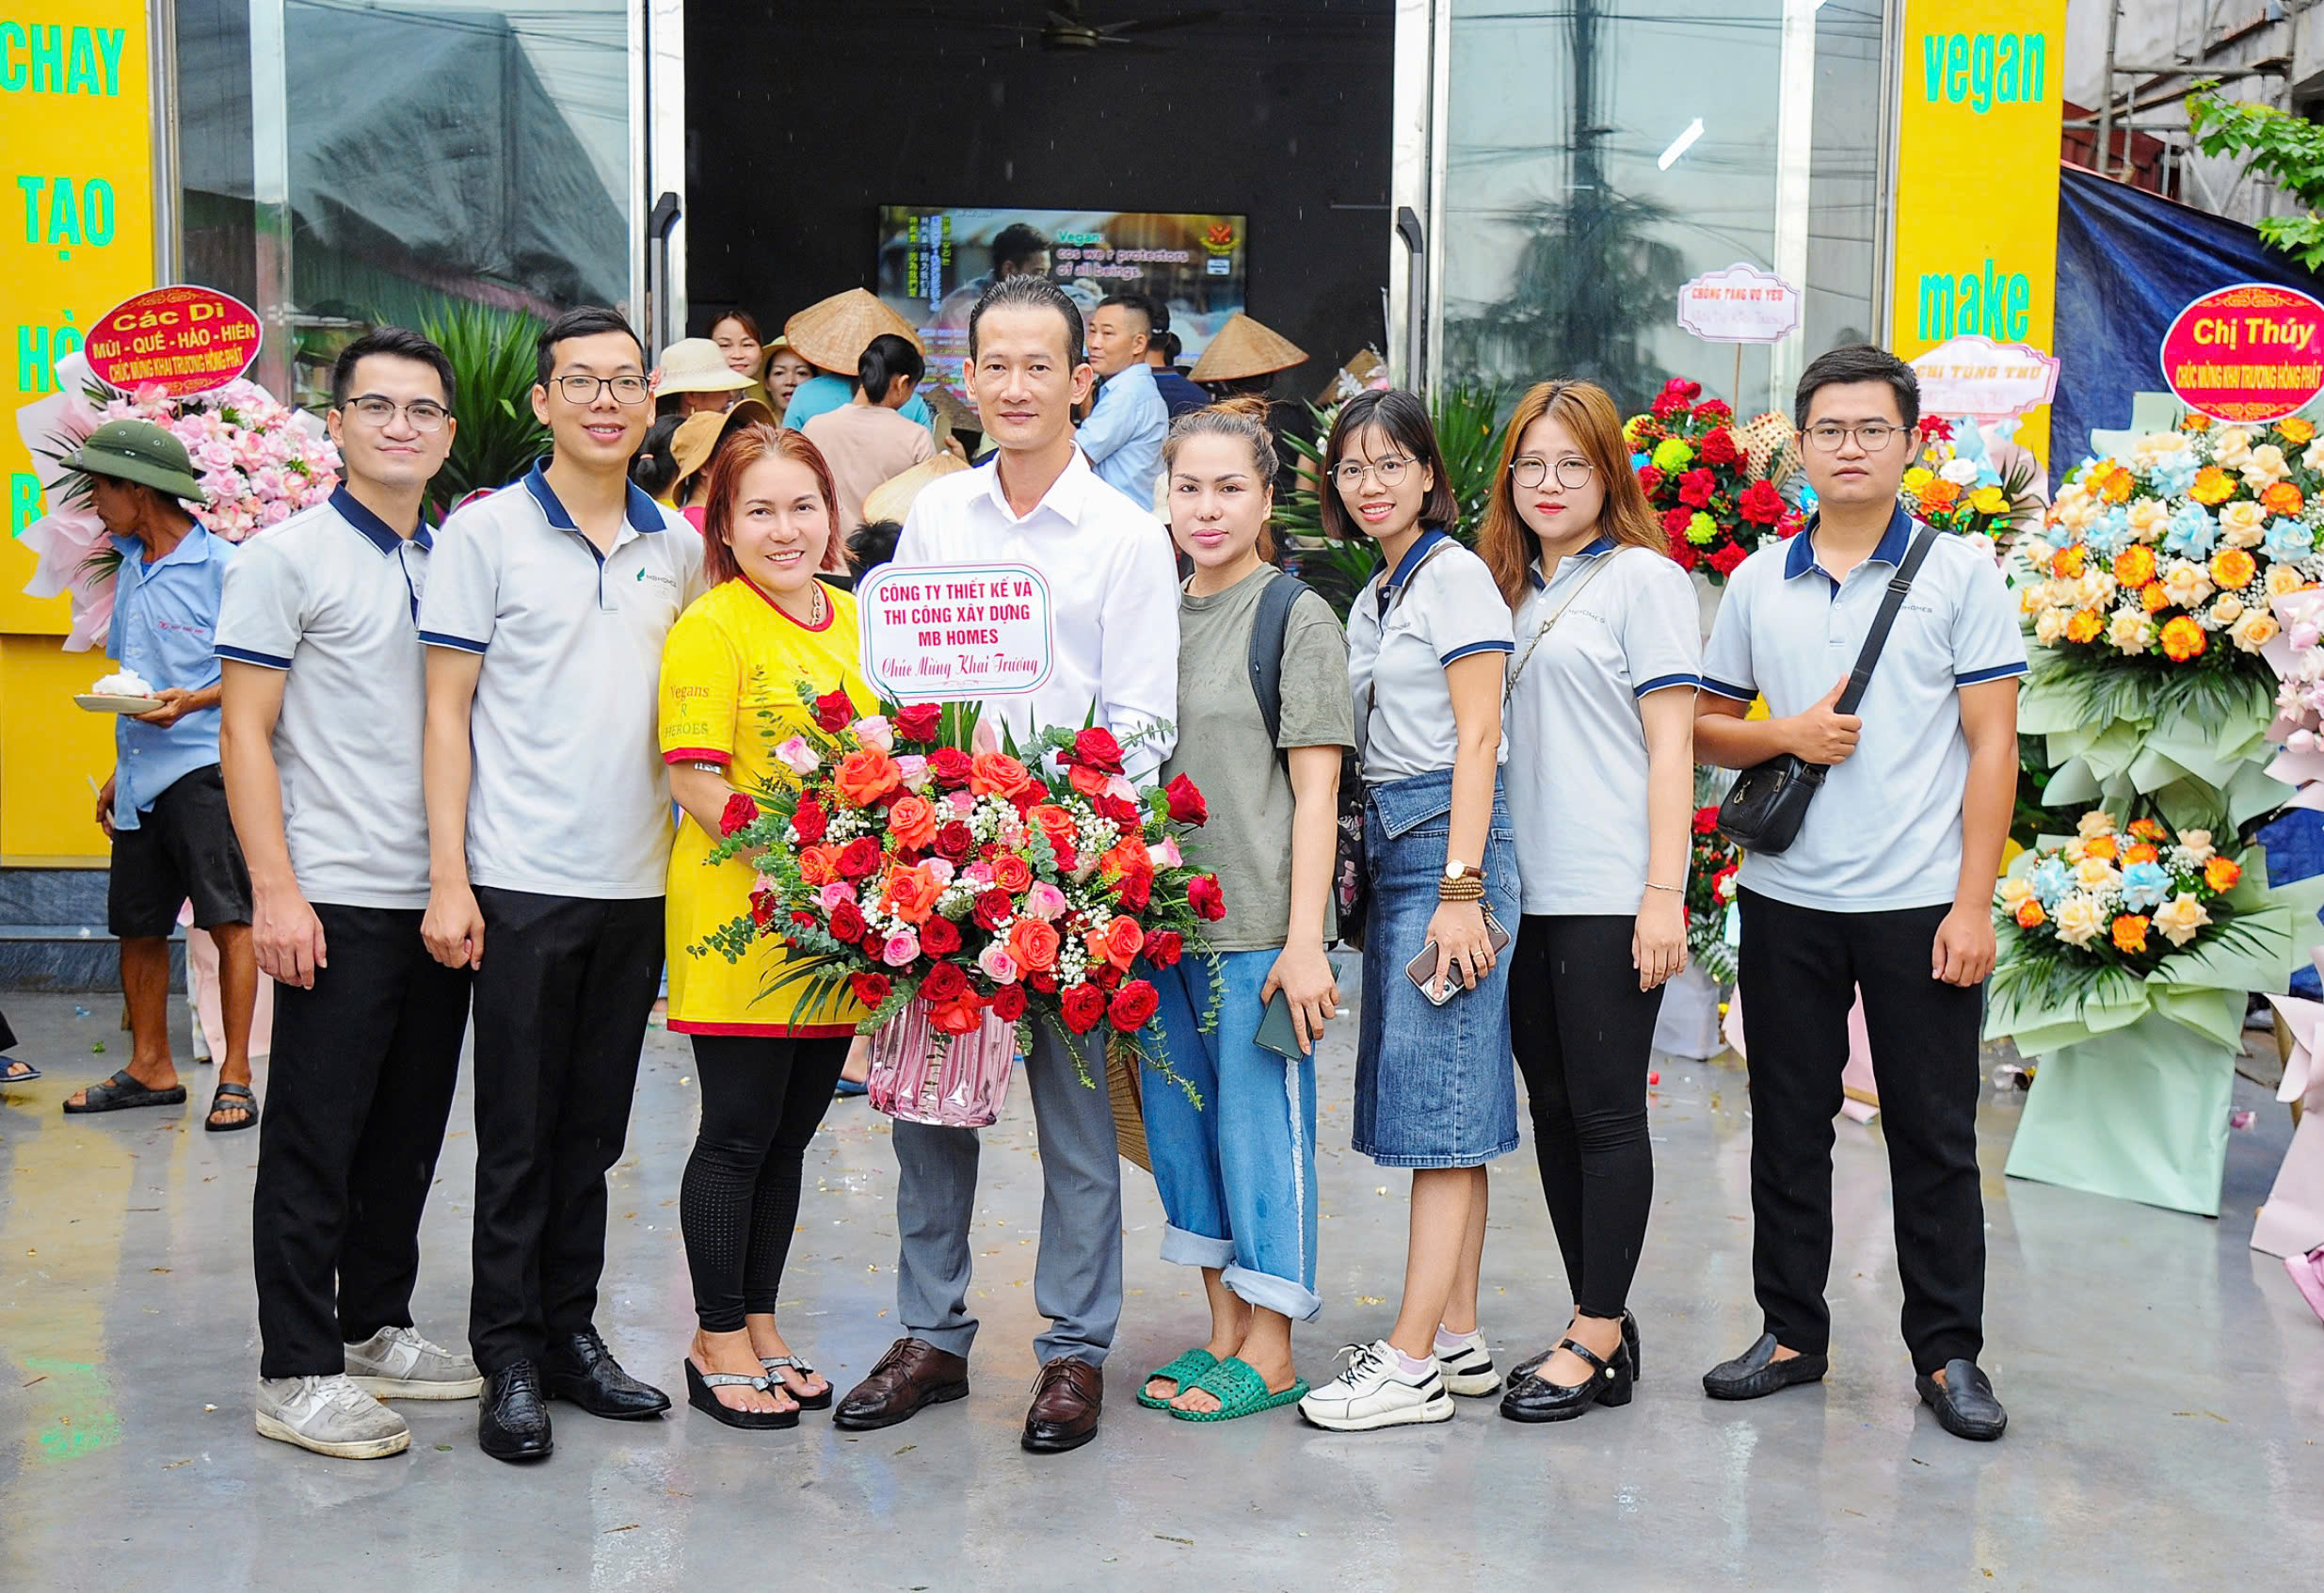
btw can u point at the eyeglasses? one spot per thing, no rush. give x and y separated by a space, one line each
1873 436
1573 475
424 414
585 388
1390 470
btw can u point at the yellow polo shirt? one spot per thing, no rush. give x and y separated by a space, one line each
730 695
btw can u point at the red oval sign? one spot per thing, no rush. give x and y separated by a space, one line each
2252 352
184 340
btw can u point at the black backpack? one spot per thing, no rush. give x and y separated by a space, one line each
1350 897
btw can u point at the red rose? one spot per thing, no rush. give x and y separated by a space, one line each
1934 428
762 907
1667 402
1122 811
858 857
1131 1005
954 842
1135 888
1107 976
1008 1003
1649 479
956 1018
1164 946
939 936
810 822
1675 523
1695 488
1724 559
1683 553
1186 803
1044 983
993 909
950 766
803 920
1095 748
870 988
1761 504
944 982
833 711
1706 821
739 811
847 923
920 722
1203 895
1080 1007
1719 448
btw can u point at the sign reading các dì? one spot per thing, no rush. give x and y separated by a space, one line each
184 340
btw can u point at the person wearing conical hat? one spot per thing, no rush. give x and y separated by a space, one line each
1243 354
831 335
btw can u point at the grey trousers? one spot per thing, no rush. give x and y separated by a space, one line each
1077 1279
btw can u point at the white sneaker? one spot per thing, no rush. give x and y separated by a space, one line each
1376 1391
329 1416
1469 1370
397 1363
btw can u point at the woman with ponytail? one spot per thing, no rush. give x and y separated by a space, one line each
866 442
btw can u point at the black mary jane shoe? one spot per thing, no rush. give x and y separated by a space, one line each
701 1392
1629 1341
582 1371
1534 1398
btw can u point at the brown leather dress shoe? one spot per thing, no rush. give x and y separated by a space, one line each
1067 1397
914 1373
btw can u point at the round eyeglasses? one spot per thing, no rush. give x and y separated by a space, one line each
424 414
585 388
1573 475
1390 470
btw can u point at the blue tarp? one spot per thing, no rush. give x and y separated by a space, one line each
2128 261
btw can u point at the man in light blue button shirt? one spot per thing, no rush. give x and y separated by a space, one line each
165 808
1123 436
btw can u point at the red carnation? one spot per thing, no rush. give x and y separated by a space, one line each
1761 504
1706 821
1935 428
920 722
1683 553
993 909
1132 1004
870 988
1711 408
1718 447
1203 895
739 811
1095 748
939 936
1695 488
1668 402
950 766
810 822
1724 558
858 857
1008 1003
1649 479
1186 803
954 842
847 923
1080 1007
1163 947
1675 523
944 982
833 711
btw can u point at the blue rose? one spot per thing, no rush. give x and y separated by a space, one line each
2288 538
2145 887
2109 532
2193 533
2174 479
2051 881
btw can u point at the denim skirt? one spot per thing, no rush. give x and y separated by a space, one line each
1434 1086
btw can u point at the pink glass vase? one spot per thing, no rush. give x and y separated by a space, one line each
921 1077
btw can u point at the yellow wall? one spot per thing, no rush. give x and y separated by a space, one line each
76 177
1977 177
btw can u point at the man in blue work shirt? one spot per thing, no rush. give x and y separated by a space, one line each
1123 435
164 806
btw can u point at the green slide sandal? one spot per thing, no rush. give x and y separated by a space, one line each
1183 1371
1239 1390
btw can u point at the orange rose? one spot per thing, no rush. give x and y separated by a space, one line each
2143 851
2281 497
2232 569
996 774
2029 914
1011 873
2135 566
2130 932
2296 430
2195 422
910 894
2066 563
2182 639
2220 874
2213 485
1939 494
911 821
866 774
2114 484
1034 943
2084 625
2099 846
2148 829
1088 781
1055 823
819 865
956 1017
1119 943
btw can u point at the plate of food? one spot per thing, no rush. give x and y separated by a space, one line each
124 691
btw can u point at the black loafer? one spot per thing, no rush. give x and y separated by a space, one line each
512 1419
1965 1403
582 1371
1534 1398
1756 1373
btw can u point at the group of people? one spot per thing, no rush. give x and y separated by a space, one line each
546 672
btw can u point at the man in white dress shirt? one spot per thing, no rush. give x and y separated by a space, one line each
1110 567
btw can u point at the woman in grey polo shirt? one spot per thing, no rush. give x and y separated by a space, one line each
1428 641
1601 784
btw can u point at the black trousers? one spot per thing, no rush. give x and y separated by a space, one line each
1583 1032
762 1100
357 1093
1802 969
562 1000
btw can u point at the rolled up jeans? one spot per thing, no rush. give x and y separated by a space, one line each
1237 1174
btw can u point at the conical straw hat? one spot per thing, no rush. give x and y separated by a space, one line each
892 498
832 333
1246 348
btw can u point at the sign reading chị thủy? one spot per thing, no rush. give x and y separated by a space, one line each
953 632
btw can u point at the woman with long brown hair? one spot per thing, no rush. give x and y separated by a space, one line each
1600 717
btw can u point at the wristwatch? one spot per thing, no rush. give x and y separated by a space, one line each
1456 869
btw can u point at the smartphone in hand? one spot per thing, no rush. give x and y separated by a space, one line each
1421 970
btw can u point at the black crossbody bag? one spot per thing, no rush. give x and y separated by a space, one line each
1764 809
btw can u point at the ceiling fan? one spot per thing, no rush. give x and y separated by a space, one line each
1068 27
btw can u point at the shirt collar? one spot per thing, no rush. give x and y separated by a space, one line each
1800 558
639 509
195 547
1406 565
1066 497
1602 543
376 531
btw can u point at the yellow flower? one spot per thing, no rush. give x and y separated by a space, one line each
2085 625
2296 430
2232 446
2180 918
2283 580
2094 823
2049 625
1917 478
1990 500
2096 876
2014 891
2150 518
2254 631
2233 568
2265 467
2130 932
2079 920
2212 486
2152 598
2187 583
2227 610
2182 639
2195 845
2135 566
1702 530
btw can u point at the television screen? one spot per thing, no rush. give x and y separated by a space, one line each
934 263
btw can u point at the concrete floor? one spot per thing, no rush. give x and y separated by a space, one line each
2166 1388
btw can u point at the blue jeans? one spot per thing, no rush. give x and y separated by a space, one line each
1237 1174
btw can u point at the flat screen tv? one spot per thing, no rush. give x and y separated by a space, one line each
933 262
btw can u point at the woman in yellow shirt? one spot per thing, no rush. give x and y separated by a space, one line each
729 696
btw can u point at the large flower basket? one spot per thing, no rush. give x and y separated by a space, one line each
2292 1222
924 1076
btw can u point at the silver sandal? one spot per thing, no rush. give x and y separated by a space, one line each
699 1386
775 1364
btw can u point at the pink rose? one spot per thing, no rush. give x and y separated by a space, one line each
1045 901
1117 787
213 456
999 966
873 730
797 756
977 874
1166 855
939 869
834 894
900 950
963 803
914 768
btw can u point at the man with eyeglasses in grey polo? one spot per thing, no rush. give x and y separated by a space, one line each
549 833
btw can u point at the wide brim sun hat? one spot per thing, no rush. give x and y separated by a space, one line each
695 365
831 334
139 451
697 436
1243 349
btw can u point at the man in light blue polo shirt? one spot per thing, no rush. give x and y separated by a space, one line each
1888 889
165 806
1123 436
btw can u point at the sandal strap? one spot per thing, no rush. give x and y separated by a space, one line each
1586 1353
731 1380
797 1364
1230 1381
121 1082
225 1089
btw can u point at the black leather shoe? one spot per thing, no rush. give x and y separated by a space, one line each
1965 1403
512 1419
1756 1373
1629 1341
1534 1398
581 1369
